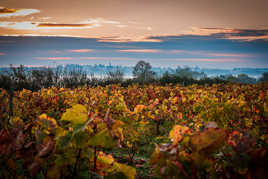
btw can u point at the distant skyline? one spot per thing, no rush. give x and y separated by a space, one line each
207 33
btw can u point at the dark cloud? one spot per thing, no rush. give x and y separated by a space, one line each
219 33
62 25
7 12
4 10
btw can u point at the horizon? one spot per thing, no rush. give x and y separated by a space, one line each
163 33
53 65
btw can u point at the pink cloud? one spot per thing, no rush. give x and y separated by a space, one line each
220 60
85 58
140 51
228 55
2 54
107 58
54 58
125 39
80 50
211 54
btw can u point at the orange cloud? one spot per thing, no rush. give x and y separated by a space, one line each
100 21
28 25
6 12
140 50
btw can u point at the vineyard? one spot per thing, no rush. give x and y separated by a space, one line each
197 131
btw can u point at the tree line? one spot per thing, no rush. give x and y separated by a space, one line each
18 78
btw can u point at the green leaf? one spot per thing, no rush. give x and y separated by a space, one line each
116 176
102 139
63 141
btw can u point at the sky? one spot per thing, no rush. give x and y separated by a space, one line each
205 33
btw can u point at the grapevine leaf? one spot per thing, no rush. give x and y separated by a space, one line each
102 139
48 147
177 133
208 140
76 115
128 171
63 141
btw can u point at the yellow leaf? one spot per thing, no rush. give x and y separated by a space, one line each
139 108
128 171
76 115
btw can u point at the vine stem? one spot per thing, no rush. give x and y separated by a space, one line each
76 163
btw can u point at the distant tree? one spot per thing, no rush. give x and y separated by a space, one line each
244 78
264 77
189 74
74 77
19 77
184 72
6 81
116 75
42 78
231 78
143 71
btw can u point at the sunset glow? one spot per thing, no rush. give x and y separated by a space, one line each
153 30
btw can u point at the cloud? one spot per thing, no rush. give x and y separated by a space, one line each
28 25
2 54
219 60
100 21
121 26
6 12
208 60
54 58
86 58
232 34
80 50
140 50
121 39
241 55
45 18
66 26
209 31
206 53
19 25
149 28
32 25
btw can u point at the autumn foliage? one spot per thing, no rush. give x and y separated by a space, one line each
218 131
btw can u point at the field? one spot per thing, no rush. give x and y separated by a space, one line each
218 131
